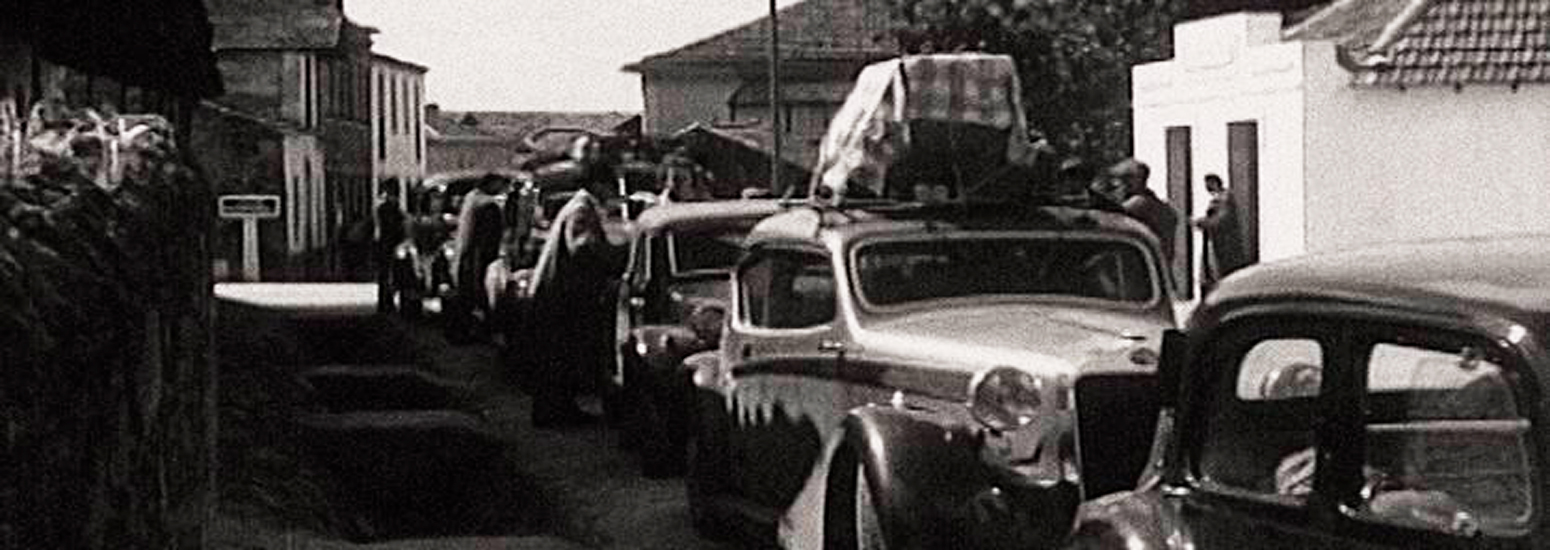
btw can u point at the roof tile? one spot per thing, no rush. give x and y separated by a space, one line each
1446 42
809 30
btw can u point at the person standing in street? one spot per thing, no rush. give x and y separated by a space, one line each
1223 238
390 232
478 242
573 309
1144 205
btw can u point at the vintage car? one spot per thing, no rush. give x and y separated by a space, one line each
672 300
1380 398
923 375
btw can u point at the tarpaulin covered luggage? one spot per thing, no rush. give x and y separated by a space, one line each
942 125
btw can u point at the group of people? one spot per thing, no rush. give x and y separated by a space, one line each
1124 183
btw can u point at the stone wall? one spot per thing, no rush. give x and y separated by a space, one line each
106 375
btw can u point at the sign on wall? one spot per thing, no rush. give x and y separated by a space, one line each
238 207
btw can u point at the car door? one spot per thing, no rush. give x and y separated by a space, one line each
783 352
1442 442
1257 435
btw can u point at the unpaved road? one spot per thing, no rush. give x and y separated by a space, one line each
589 490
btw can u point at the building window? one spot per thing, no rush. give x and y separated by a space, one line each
393 102
417 110
306 91
381 116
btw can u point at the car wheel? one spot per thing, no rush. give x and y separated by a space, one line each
663 446
850 520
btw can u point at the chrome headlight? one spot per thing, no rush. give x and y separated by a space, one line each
1005 398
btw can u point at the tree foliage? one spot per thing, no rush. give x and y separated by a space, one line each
1073 56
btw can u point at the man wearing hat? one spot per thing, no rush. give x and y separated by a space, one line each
1142 204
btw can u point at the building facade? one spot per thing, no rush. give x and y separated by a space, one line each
1366 122
723 80
397 131
302 69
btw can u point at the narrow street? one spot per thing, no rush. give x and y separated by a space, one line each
475 475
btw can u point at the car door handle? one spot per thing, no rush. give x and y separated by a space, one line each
831 345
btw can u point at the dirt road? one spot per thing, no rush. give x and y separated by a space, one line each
580 489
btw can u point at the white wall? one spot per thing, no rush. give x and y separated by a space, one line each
1343 165
1429 162
673 102
397 111
305 193
1229 69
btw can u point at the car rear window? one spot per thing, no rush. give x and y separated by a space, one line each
706 249
900 271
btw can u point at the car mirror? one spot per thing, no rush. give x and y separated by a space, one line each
1170 367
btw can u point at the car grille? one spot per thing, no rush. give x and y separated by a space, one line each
1116 418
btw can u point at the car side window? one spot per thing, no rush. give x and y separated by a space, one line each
1447 446
1259 428
787 289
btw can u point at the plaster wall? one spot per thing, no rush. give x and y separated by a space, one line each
1388 165
397 133
673 102
1230 69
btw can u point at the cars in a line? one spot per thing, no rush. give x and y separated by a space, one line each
671 304
1379 398
928 375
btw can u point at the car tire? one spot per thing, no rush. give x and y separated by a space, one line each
851 520
662 440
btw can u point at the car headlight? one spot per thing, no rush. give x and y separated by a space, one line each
1005 398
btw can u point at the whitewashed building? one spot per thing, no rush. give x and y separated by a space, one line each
397 131
1368 121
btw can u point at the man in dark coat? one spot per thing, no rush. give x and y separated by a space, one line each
1224 247
390 232
1144 205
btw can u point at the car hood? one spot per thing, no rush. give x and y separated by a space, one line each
1060 337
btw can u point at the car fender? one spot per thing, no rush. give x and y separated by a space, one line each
1139 520
931 484
921 470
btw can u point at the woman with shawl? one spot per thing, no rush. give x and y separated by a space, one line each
571 298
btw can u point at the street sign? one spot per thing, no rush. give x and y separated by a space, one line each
249 209
249 206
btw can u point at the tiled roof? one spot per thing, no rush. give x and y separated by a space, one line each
304 28
811 30
1431 42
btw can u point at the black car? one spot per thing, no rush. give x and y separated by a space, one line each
671 304
1383 398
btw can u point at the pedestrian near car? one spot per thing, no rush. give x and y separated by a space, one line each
478 243
390 232
572 312
1144 205
1224 247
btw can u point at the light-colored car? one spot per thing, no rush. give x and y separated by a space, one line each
928 375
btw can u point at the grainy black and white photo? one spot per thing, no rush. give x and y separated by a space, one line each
774 274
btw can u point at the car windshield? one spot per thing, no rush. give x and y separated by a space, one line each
713 249
900 271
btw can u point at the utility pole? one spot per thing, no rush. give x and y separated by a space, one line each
775 184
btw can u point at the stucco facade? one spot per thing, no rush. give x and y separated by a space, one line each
397 131
1336 163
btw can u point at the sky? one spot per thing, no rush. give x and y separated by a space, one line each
541 55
